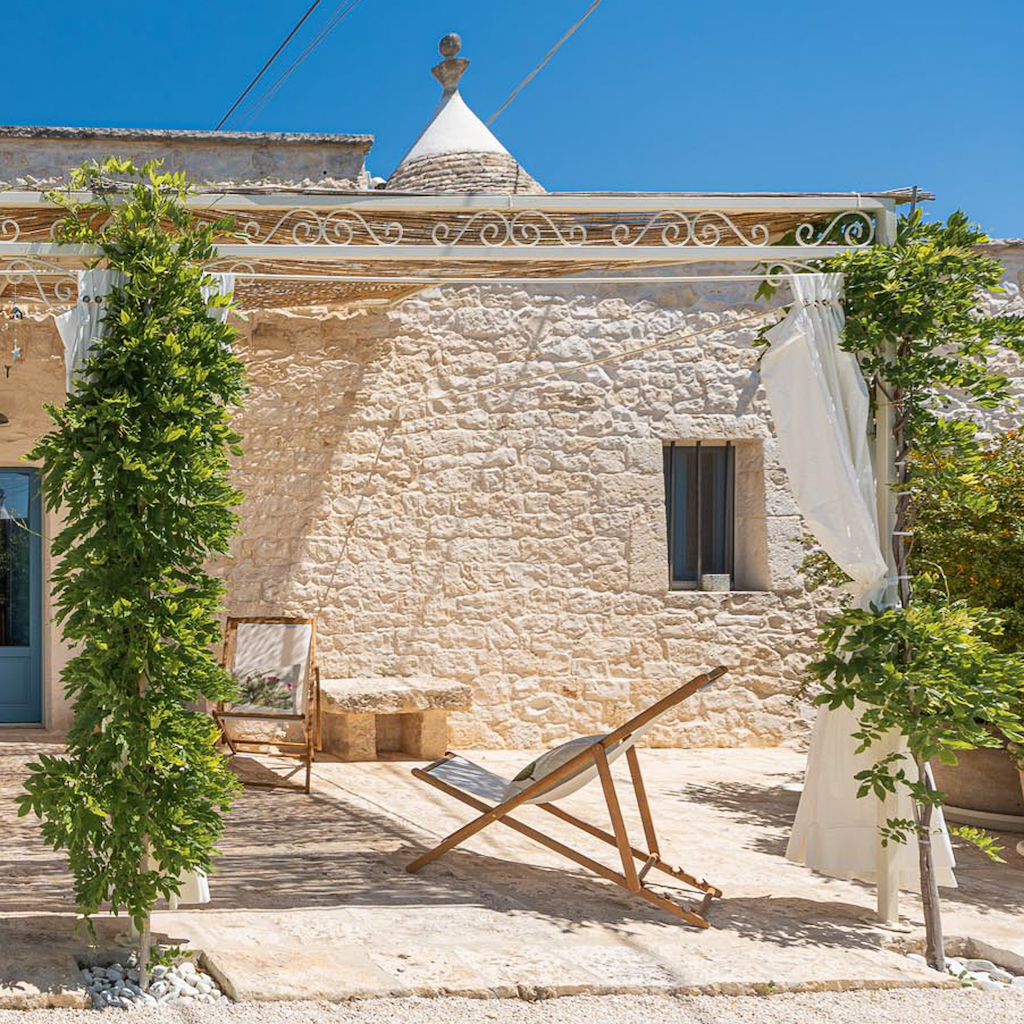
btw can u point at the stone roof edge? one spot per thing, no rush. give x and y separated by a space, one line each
362 141
1003 243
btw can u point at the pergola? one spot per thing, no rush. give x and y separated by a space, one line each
312 248
295 248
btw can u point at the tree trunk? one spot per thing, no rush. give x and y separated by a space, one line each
145 951
934 952
934 949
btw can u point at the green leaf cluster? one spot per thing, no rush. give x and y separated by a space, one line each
922 295
932 672
969 525
137 464
944 669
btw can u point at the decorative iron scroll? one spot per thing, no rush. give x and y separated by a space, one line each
668 229
307 227
54 284
494 227
433 229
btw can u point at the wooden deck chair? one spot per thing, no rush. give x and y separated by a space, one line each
273 660
556 774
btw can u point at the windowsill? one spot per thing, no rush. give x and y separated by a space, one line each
687 592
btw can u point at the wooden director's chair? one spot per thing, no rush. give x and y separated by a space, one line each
273 660
556 775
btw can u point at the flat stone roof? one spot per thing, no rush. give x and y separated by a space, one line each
363 141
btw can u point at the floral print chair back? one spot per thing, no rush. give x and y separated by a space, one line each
277 713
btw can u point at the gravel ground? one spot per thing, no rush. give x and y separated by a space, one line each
907 1006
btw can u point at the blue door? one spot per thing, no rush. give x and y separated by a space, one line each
21 603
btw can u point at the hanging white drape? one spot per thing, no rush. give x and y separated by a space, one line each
81 325
80 328
819 402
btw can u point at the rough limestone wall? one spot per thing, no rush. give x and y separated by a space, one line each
518 543
1010 303
515 540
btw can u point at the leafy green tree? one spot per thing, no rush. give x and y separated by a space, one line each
137 462
931 668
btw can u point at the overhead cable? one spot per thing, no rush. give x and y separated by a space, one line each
554 49
287 39
340 12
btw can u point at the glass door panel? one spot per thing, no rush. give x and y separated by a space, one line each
20 593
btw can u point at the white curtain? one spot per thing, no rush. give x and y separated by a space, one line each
80 328
819 402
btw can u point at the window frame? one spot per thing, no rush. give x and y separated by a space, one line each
729 504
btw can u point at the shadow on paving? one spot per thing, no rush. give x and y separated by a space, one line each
769 809
342 855
285 850
789 921
575 898
986 883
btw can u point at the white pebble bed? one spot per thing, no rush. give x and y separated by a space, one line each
118 987
982 974
905 1006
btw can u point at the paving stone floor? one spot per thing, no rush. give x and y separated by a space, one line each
311 899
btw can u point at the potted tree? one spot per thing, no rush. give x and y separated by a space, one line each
930 668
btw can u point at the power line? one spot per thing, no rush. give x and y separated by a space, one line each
262 70
554 49
340 12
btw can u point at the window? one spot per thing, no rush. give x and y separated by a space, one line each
699 499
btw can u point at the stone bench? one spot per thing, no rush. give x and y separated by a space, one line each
365 718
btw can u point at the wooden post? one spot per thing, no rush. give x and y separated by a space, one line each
641 799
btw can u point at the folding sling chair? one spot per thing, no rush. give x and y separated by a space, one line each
273 660
557 774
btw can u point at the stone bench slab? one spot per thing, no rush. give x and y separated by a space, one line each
387 695
366 718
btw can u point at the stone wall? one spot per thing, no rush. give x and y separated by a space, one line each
42 157
515 539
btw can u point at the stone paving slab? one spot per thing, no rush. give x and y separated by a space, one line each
32 977
311 897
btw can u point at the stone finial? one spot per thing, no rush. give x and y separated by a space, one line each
452 68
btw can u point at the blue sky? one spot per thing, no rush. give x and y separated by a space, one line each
648 95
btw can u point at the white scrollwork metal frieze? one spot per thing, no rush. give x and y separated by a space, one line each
307 227
10 230
244 273
495 227
63 282
778 272
853 228
705 229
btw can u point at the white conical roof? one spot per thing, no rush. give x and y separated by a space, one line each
457 152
